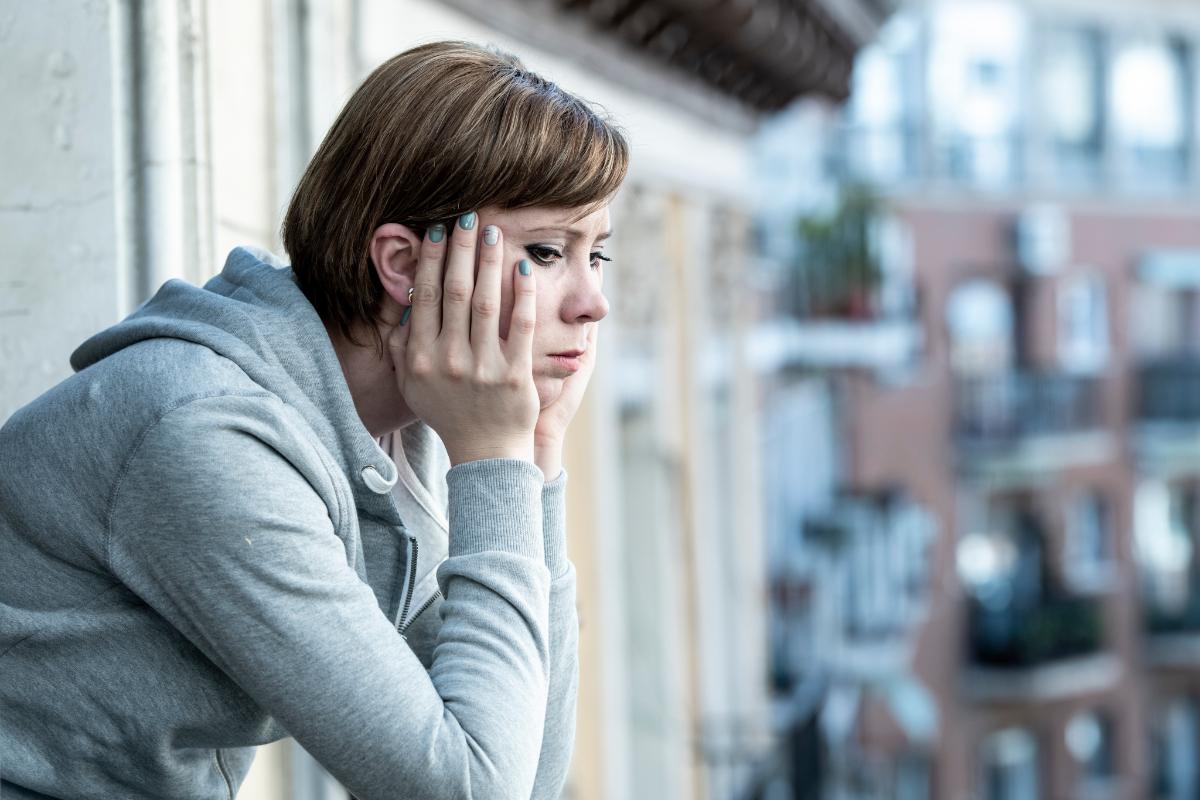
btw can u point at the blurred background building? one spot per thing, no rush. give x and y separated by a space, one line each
990 300
888 483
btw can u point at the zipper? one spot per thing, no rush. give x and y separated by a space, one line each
436 594
412 581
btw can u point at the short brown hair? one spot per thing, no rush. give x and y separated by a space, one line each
436 131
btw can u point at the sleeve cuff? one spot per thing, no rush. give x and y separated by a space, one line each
495 505
554 524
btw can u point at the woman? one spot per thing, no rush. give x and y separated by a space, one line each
204 543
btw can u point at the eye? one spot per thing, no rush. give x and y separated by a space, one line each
546 256
543 255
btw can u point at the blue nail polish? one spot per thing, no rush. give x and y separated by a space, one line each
524 267
404 314
437 232
491 234
467 221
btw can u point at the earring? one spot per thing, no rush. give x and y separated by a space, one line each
411 289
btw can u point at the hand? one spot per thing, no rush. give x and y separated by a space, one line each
551 429
452 368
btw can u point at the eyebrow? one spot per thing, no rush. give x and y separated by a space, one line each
571 233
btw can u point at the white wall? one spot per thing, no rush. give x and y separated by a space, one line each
61 273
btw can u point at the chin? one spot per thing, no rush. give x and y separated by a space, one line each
548 389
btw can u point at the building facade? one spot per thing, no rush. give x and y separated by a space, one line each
1037 168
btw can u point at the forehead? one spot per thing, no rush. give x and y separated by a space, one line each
542 220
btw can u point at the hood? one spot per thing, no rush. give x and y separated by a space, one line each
254 314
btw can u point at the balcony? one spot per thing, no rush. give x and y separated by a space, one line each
1054 629
1016 424
999 409
1168 412
1172 629
1169 391
1048 652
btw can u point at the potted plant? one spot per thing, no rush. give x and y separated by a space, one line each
838 272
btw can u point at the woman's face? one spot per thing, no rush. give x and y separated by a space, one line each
567 258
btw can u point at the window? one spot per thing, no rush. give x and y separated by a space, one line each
1071 101
979 316
881 139
1152 110
1089 541
1083 324
975 90
1089 739
1175 743
1009 759
1164 525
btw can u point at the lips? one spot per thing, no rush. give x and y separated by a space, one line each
569 353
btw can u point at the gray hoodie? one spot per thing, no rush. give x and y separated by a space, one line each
202 550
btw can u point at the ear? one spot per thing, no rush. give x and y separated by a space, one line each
395 249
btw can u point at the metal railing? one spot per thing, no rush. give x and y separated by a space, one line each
1168 390
1016 636
1001 408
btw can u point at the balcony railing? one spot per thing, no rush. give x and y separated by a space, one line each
1015 637
1169 390
1182 620
1010 406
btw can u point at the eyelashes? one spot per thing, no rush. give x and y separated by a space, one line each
546 256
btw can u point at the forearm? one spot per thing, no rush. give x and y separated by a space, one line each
558 735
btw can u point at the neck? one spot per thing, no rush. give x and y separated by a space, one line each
372 381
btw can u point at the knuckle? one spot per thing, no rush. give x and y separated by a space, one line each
484 307
457 367
426 293
419 364
482 375
523 324
457 292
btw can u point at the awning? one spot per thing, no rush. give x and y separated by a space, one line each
766 53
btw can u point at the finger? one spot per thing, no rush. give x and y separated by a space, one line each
397 345
519 346
459 281
485 302
425 319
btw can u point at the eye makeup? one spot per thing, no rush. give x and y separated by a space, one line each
546 255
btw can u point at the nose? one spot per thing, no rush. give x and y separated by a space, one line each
586 302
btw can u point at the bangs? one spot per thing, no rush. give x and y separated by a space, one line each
524 142
579 161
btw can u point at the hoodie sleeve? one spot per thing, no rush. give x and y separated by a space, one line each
223 523
558 735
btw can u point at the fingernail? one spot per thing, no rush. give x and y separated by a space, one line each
404 314
437 232
491 234
467 221
524 267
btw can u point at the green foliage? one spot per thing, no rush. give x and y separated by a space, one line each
838 268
